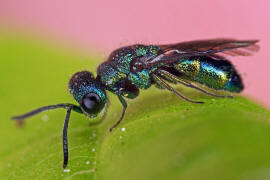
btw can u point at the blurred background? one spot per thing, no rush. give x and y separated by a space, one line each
102 26
42 43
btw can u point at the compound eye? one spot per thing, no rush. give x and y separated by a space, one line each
91 103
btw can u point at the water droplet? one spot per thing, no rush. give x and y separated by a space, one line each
66 170
45 118
93 149
87 162
123 129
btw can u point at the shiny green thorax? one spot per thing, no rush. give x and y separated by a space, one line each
118 67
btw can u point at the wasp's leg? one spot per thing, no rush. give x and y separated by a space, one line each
124 104
65 138
160 81
170 76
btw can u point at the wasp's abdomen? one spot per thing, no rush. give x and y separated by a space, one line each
216 74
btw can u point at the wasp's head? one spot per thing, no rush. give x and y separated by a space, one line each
88 92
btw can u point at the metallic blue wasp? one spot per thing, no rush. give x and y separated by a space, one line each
135 67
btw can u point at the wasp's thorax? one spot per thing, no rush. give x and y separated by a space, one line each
88 92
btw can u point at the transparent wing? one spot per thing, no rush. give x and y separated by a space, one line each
227 46
218 48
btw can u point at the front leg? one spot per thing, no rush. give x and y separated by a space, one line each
124 104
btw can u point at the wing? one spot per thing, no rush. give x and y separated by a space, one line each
231 46
216 48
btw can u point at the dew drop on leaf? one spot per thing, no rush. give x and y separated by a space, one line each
45 118
66 170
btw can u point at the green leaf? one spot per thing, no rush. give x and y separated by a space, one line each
161 137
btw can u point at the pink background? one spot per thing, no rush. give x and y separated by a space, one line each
108 24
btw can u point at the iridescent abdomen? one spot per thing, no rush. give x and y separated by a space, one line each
216 74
